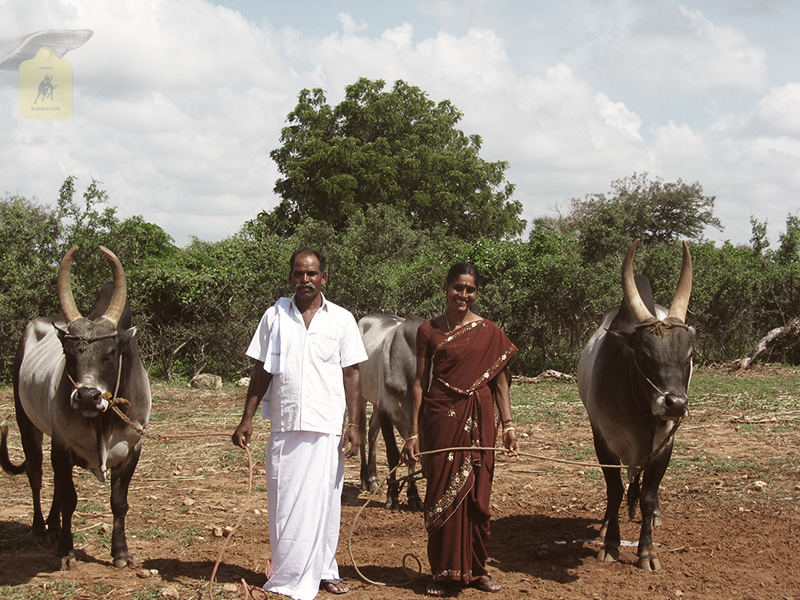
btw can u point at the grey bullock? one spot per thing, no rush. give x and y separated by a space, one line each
633 378
386 381
68 371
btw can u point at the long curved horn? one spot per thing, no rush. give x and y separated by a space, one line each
117 303
65 297
630 293
680 303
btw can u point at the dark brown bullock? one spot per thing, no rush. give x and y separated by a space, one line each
633 378
68 372
386 380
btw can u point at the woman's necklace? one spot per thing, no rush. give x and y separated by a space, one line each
447 320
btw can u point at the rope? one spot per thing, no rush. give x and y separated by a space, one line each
427 452
250 592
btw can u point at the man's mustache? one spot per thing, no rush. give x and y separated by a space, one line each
302 286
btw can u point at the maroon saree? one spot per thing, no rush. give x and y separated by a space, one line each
459 412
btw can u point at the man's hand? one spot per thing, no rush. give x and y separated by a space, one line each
351 436
241 435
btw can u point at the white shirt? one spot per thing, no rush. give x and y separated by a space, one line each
308 393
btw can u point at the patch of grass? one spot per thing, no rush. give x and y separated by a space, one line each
79 537
189 535
151 593
87 507
748 393
62 589
593 474
155 533
577 453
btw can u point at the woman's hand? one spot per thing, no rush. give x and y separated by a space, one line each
510 442
410 453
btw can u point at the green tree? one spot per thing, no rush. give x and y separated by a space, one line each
28 255
758 240
396 148
639 207
92 222
789 249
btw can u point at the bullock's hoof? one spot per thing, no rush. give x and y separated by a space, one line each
392 504
608 555
415 504
68 562
649 564
126 561
656 520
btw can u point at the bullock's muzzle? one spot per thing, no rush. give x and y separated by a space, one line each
89 400
671 406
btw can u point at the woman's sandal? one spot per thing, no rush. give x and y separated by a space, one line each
486 583
437 590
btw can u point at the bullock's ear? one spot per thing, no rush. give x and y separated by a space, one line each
622 337
61 332
126 336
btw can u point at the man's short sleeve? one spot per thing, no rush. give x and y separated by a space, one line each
351 347
259 344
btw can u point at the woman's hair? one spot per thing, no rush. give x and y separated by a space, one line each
463 268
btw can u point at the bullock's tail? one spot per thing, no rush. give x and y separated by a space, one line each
633 495
5 461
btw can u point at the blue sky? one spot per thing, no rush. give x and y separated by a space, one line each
177 103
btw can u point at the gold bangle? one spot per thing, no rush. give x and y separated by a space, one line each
352 424
412 437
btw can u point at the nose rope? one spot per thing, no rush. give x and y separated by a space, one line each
637 469
113 401
646 378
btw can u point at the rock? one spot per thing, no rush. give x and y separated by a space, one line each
243 382
206 381
171 592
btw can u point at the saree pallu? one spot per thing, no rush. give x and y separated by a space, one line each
459 412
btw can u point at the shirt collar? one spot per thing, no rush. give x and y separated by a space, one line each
324 305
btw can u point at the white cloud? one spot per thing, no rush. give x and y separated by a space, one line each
779 111
179 102
671 50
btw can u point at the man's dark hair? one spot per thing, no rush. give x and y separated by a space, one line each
323 262
463 268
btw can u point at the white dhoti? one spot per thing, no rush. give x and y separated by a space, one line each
305 475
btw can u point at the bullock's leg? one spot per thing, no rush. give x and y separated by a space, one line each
120 481
414 501
31 439
362 428
648 502
65 499
372 466
614 493
392 457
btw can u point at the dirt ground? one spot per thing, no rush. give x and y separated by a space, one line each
726 535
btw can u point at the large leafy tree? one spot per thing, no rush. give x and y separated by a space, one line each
637 206
396 148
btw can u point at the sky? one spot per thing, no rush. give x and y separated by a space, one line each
178 103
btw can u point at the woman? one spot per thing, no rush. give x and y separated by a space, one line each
465 359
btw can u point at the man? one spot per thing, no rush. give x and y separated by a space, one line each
307 351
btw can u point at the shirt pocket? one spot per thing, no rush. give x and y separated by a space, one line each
324 347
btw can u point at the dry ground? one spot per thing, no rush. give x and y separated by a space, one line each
730 502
